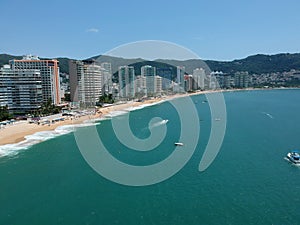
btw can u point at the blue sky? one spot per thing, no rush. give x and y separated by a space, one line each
218 30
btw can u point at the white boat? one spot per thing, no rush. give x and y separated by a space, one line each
178 144
165 121
294 156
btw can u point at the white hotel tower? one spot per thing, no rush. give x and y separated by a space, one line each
49 71
199 78
20 90
153 82
85 82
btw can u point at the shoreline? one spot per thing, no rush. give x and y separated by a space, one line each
16 133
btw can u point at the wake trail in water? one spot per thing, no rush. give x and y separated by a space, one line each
268 115
159 123
30 140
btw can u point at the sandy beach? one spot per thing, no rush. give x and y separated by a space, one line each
17 132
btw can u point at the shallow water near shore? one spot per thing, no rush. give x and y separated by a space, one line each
249 182
40 136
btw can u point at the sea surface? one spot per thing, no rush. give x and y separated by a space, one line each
249 182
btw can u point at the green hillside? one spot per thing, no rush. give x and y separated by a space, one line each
63 62
4 58
257 64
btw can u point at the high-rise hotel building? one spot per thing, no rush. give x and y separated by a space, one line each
86 78
199 79
180 75
107 78
20 89
241 79
49 71
126 81
153 82
149 72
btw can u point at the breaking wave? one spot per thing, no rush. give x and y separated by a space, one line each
30 140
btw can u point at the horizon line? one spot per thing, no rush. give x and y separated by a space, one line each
100 55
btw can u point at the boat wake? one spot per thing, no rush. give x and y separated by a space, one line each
268 115
157 124
293 164
30 140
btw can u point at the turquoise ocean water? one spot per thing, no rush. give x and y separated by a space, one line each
249 182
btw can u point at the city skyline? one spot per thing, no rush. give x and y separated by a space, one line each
213 30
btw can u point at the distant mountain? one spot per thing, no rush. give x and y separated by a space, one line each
116 61
257 64
63 62
137 66
4 58
189 65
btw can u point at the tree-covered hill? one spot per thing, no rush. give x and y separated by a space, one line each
4 58
63 62
257 64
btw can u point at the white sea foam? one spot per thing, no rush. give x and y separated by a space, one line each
115 113
30 140
12 149
127 110
133 108
97 120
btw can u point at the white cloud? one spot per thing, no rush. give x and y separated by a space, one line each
93 30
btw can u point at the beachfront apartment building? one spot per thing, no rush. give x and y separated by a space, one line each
241 79
188 82
148 71
20 89
153 82
49 71
199 79
86 81
180 75
159 81
126 82
226 82
166 74
140 86
107 78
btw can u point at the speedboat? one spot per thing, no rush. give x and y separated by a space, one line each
178 144
165 121
294 156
